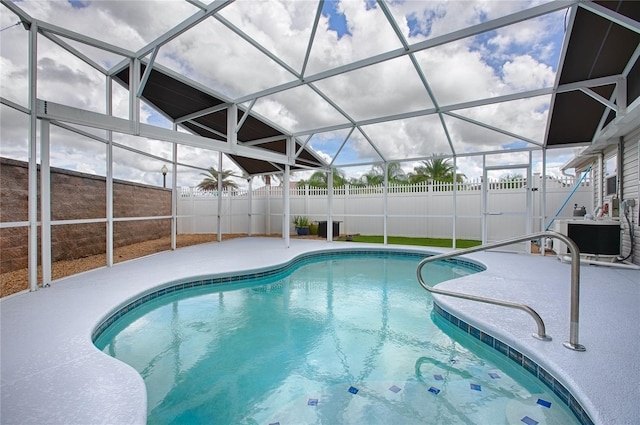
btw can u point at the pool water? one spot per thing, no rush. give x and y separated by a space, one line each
340 340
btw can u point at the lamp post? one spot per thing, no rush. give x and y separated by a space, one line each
164 175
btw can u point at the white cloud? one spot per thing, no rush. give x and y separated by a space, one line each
458 74
127 24
271 22
389 88
525 73
13 80
512 59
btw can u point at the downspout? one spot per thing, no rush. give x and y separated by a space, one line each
599 198
619 170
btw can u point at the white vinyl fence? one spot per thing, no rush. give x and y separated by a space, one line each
421 210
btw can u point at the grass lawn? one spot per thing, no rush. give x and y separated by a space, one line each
404 240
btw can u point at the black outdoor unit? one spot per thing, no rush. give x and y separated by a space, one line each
322 228
596 239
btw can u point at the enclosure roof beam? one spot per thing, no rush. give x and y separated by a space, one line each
184 26
263 140
202 113
76 52
496 129
53 111
312 37
14 105
99 44
25 18
483 27
431 111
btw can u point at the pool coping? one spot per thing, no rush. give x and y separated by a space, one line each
52 373
522 360
239 277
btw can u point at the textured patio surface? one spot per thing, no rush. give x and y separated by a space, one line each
51 373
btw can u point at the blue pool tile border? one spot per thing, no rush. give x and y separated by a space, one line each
237 278
528 364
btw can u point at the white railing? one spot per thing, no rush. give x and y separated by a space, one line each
540 334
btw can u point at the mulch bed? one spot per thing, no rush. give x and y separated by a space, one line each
18 280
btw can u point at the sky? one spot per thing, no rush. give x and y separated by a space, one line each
516 58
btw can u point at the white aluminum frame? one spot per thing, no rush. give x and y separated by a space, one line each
51 113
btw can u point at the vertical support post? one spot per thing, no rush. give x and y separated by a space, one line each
347 194
250 206
385 200
621 98
268 218
219 196
192 209
109 179
232 122
230 196
528 201
484 188
286 181
598 183
330 206
287 206
543 199
33 165
306 199
45 202
134 100
428 190
174 194
455 202
232 141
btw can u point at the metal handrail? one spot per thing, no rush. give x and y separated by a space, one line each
575 284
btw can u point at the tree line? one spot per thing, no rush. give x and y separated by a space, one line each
432 170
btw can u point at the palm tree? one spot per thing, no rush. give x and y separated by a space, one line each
210 181
395 174
373 177
320 179
435 169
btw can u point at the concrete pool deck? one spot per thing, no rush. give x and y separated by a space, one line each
52 374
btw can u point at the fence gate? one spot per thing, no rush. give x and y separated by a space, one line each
504 224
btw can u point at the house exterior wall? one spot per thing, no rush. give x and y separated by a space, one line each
597 177
629 189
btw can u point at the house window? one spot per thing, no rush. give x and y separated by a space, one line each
610 175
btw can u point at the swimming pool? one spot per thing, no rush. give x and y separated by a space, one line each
343 339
